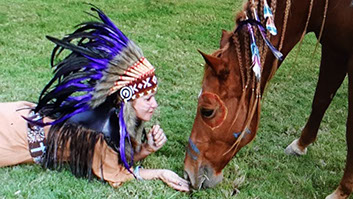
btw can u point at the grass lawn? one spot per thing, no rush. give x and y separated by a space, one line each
170 32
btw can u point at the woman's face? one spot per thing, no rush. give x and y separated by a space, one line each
144 106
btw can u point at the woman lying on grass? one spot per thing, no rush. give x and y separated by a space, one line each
92 112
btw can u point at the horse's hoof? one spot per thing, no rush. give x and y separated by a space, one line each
331 196
294 149
337 194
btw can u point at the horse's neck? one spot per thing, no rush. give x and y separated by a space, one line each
292 21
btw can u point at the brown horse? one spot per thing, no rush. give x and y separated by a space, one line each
228 110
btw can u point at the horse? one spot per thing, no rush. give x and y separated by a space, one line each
236 76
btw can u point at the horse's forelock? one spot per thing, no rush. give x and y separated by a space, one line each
240 16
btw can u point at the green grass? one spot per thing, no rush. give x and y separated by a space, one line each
170 32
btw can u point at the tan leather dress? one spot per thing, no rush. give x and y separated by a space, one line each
14 145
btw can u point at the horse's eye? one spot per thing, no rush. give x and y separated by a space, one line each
207 113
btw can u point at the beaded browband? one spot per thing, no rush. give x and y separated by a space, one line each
138 80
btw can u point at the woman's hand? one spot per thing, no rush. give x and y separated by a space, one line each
155 139
173 180
167 176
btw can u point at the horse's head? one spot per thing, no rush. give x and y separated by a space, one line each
227 112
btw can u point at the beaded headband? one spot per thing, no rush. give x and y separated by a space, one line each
138 80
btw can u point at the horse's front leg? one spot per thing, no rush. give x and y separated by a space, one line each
332 72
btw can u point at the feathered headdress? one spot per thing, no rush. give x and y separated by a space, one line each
102 62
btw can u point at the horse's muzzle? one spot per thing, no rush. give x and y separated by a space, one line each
203 178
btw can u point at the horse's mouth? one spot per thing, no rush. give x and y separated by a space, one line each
205 179
196 184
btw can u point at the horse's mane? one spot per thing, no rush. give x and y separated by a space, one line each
241 40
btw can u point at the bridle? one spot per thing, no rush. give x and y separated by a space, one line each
254 104
255 97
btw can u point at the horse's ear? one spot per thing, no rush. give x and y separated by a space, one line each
214 62
224 38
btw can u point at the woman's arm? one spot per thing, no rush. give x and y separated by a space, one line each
105 166
143 153
155 140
